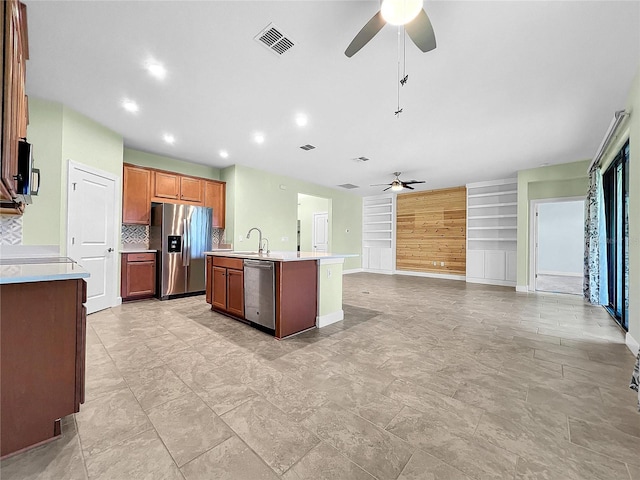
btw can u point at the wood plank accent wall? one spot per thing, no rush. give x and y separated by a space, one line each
431 227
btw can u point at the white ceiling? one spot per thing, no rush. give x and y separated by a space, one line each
512 85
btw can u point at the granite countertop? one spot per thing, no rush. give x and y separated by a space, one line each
281 256
136 248
39 269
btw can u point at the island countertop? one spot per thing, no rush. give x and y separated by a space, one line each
282 256
39 269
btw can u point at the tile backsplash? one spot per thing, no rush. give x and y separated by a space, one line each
139 234
10 230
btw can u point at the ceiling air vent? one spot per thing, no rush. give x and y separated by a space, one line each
348 186
271 37
360 159
307 147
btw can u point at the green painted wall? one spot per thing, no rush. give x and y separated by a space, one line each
270 202
307 206
556 181
60 134
330 291
41 220
144 159
228 175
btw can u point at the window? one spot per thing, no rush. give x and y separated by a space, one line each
616 204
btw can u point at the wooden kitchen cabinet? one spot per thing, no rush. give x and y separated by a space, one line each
136 196
42 352
138 276
166 185
225 285
191 190
142 186
215 197
15 47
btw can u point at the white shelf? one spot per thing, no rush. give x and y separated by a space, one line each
492 257
483 217
378 233
501 227
493 205
491 194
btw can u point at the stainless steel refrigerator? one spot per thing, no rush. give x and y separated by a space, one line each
181 234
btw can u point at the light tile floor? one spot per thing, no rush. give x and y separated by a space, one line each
424 379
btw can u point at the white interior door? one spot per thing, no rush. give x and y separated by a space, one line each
91 232
320 232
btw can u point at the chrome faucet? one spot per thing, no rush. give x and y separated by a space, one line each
266 242
259 238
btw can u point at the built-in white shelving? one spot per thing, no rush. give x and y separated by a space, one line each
492 215
378 233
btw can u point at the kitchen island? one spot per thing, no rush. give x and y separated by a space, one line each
307 289
42 352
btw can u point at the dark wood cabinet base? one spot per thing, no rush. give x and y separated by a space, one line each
43 338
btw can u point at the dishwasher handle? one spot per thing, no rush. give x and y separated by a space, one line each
258 264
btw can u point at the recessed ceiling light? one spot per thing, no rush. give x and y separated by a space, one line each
156 69
258 138
130 105
170 139
224 154
301 120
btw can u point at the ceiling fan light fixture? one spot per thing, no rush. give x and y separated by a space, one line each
396 186
400 12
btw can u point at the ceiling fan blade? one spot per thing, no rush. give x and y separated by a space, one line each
379 184
421 32
410 182
369 31
386 189
407 186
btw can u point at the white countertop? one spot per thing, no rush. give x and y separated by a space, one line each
281 256
40 269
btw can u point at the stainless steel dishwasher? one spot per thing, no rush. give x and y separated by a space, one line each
260 293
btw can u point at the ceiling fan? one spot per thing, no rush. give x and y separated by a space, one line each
397 12
397 184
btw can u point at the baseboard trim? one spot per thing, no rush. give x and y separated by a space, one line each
444 276
522 289
560 274
352 270
489 281
379 272
329 318
118 301
632 343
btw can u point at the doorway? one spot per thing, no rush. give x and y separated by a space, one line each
92 236
557 257
314 223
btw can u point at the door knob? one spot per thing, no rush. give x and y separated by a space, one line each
109 249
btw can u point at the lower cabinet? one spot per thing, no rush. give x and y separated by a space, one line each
491 266
377 259
225 290
42 353
138 276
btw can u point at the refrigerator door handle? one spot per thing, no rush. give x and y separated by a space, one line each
186 247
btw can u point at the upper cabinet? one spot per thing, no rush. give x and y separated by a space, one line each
15 47
166 185
214 197
136 197
142 186
173 186
191 189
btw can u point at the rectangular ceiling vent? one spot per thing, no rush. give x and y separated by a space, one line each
348 186
307 147
361 159
271 37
